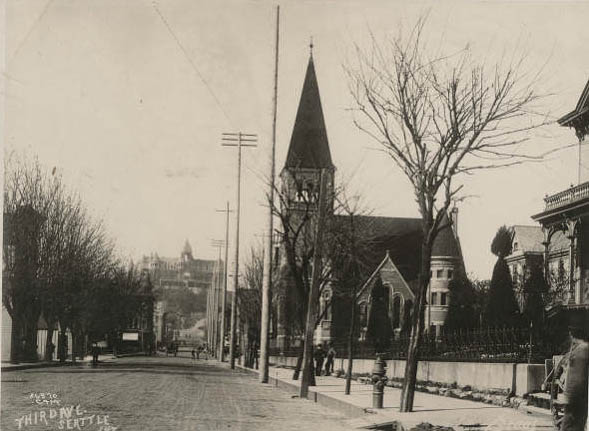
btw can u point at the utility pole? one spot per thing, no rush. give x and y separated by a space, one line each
268 249
238 140
314 291
224 293
216 298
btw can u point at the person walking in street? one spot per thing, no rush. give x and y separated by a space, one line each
51 350
330 358
95 353
575 390
193 353
319 358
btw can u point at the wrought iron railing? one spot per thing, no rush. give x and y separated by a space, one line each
473 345
570 195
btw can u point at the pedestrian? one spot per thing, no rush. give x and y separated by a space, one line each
95 353
319 358
330 358
193 353
575 388
51 350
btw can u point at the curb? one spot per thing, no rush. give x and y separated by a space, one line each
344 407
6 369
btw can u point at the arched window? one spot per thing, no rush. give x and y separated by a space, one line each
397 312
408 310
363 318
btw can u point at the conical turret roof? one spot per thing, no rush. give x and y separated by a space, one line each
446 243
309 147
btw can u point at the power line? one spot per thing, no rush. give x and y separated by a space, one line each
191 62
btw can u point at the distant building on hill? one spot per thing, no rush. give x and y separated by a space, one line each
183 271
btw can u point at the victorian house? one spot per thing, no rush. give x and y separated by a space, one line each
565 220
394 252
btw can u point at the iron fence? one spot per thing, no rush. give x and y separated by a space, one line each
473 345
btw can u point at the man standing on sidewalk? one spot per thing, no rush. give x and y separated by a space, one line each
575 391
319 358
330 358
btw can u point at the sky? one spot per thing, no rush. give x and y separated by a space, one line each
128 101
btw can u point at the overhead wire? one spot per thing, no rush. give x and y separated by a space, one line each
191 62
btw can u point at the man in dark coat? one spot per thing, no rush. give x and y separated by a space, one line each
319 358
330 358
575 391
95 353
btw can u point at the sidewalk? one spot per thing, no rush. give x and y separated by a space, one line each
434 409
8 366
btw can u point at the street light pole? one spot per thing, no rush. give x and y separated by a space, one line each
236 140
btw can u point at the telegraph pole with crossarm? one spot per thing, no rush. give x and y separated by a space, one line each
238 140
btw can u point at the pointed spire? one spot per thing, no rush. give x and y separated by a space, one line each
187 248
309 147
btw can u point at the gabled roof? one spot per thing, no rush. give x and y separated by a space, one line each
581 109
387 261
398 236
309 147
529 239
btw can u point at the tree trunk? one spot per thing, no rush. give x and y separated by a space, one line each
74 344
408 392
16 340
62 345
351 346
297 370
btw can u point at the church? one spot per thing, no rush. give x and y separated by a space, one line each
395 242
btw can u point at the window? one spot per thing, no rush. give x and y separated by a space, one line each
434 298
439 273
443 298
450 273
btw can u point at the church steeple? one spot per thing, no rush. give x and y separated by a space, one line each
309 147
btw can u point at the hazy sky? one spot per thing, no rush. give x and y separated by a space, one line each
128 99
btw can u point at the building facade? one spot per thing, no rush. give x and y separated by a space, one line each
395 242
566 214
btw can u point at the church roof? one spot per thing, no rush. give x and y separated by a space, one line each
309 147
401 237
398 236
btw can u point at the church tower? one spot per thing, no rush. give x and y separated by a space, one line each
308 157
308 152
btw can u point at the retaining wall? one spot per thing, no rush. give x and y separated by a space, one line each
519 378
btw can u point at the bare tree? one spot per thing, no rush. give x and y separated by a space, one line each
58 262
342 264
439 118
249 303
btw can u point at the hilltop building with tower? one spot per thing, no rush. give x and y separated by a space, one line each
394 254
169 273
